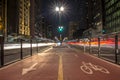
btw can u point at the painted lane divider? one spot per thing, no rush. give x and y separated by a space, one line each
45 51
31 68
89 67
76 55
60 69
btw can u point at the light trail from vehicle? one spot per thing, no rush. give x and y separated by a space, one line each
25 45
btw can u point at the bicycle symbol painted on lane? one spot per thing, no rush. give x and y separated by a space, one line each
88 68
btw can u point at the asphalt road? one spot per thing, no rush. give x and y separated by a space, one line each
61 63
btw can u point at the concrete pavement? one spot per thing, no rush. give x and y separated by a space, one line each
61 63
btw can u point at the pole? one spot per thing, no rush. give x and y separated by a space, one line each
59 18
5 30
84 46
31 47
21 54
60 25
37 46
99 47
116 49
2 50
90 45
60 37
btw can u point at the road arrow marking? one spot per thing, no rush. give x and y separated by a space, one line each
31 68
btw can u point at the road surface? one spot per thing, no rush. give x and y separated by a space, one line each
61 63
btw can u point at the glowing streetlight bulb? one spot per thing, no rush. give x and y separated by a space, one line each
62 8
57 9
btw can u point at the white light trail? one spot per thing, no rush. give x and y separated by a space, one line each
25 45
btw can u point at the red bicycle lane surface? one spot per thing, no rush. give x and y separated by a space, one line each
81 66
61 64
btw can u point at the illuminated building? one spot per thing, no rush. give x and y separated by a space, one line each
3 17
15 17
24 17
111 16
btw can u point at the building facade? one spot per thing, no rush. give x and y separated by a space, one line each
80 12
111 16
94 17
24 17
12 17
43 28
42 25
73 27
32 18
3 17
97 16
49 31
38 19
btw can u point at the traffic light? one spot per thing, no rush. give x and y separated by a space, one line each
103 31
60 28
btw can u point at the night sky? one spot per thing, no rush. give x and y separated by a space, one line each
72 12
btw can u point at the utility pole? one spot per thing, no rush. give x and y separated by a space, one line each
5 29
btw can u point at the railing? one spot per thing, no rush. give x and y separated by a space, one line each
13 52
105 46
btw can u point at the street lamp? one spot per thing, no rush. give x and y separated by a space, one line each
60 10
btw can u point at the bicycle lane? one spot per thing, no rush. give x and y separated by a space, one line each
80 66
43 66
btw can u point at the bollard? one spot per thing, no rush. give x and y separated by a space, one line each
84 46
116 49
37 46
99 47
21 49
31 47
89 45
2 50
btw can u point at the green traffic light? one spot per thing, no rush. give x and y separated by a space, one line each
103 31
60 29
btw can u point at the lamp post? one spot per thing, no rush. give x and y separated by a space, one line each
60 27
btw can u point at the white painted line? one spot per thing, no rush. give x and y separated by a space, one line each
31 68
45 51
76 55
68 46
